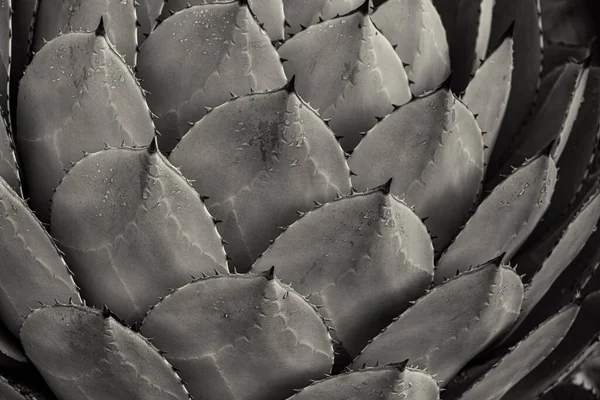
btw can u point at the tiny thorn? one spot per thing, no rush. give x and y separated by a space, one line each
153 147
270 273
101 30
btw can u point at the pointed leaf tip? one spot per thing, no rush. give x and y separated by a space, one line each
153 146
291 85
497 261
386 188
364 8
101 30
270 273
401 366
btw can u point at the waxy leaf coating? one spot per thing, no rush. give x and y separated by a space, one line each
524 357
199 56
32 271
504 219
349 247
300 14
415 27
487 94
260 159
8 161
132 228
60 16
269 13
10 348
549 258
527 66
76 95
392 382
433 150
83 353
241 336
451 324
582 333
353 85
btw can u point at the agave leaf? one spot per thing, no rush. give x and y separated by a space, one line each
5 52
353 85
524 357
557 54
77 95
582 333
391 382
461 317
545 262
433 149
561 96
23 21
415 27
242 334
575 372
8 160
468 26
303 13
268 12
11 353
33 271
85 353
570 391
487 93
527 66
54 17
129 243
9 392
577 157
198 57
260 159
504 219
567 21
349 247
147 12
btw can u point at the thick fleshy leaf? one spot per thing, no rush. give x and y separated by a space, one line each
415 28
54 17
461 317
197 58
8 392
433 150
524 357
8 161
132 228
468 27
504 219
570 391
527 66
84 353
583 332
269 13
353 85
487 93
260 159
242 334
76 95
10 348
33 271
560 99
147 12
544 263
392 382
556 54
6 12
577 157
23 24
348 247
303 13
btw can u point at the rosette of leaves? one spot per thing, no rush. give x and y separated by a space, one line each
295 200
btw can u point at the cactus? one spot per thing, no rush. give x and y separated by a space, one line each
269 199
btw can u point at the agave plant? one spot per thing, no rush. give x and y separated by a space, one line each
287 199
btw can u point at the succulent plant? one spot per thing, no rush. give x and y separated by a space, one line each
292 199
